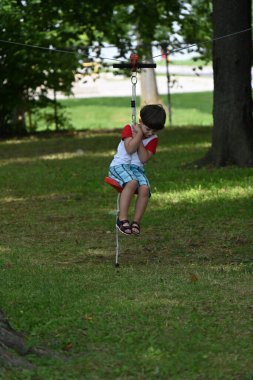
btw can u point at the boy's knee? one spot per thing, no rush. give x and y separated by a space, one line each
144 191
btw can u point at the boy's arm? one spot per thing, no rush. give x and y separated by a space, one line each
144 154
132 144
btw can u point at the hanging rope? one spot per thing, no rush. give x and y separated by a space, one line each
133 101
134 62
134 65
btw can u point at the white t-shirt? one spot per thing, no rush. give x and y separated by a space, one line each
124 158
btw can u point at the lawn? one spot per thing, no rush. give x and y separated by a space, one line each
180 305
111 112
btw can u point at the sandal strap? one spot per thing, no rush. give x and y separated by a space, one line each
124 228
136 226
123 222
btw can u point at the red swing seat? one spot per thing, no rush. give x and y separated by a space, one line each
116 185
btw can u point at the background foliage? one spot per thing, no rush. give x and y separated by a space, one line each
76 28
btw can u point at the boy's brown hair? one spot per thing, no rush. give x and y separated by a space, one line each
153 116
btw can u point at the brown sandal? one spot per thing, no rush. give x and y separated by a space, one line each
135 228
124 227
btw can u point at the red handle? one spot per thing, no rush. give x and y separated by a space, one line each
134 61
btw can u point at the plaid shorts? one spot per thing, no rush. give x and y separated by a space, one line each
126 173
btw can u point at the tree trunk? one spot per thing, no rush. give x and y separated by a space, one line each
18 120
149 90
232 140
14 349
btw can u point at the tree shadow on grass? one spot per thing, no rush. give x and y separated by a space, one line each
63 142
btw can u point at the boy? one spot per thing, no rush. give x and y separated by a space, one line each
136 147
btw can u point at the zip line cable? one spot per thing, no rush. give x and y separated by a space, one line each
52 49
205 42
39 47
57 50
74 52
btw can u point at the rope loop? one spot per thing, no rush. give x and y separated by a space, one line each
134 78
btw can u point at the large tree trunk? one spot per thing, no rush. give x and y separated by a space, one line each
149 90
232 141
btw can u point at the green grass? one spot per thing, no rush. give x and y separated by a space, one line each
185 62
179 307
111 112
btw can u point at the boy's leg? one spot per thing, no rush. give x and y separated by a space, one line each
141 202
125 199
125 177
143 193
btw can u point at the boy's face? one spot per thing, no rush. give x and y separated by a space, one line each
146 130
